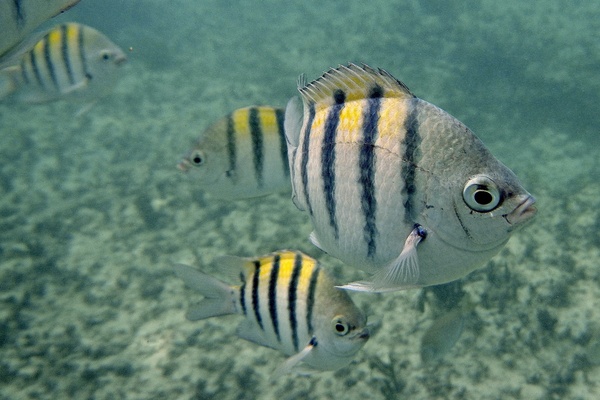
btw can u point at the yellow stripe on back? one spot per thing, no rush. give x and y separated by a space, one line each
241 125
268 120
54 37
308 266
392 117
351 119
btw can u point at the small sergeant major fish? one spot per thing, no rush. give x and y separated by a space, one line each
289 303
69 61
394 185
18 18
242 155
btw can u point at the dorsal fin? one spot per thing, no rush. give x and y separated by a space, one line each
356 82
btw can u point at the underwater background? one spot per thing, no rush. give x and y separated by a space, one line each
93 211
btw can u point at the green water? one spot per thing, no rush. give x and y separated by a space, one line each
93 211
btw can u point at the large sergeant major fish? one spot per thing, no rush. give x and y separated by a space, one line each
394 185
289 303
70 61
242 155
18 18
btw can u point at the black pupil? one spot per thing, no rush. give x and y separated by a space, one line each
483 197
340 327
197 160
105 56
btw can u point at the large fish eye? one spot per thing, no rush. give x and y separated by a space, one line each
481 194
197 158
340 327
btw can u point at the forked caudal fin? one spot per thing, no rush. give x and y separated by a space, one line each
217 294
402 273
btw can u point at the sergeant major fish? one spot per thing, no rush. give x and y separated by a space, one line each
70 61
289 303
242 155
18 18
394 185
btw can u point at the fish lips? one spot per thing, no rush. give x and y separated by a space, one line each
524 212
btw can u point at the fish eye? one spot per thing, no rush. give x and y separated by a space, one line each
340 327
197 158
106 56
481 194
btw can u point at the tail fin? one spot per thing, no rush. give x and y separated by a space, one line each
218 296
7 82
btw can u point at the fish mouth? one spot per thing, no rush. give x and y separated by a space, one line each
523 212
184 166
120 59
364 335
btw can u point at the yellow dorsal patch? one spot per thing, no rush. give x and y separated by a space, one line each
353 82
286 263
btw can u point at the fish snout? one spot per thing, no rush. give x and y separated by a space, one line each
120 58
184 166
523 212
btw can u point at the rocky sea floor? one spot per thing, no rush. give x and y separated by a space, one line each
93 213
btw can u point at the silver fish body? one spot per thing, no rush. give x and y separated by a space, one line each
70 61
394 185
242 155
18 18
289 303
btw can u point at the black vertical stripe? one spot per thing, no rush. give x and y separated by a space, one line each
256 134
411 143
273 294
328 157
310 301
49 62
82 53
280 114
19 16
255 294
292 297
231 145
366 163
64 47
305 154
36 68
243 293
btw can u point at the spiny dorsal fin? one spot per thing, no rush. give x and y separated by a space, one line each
356 82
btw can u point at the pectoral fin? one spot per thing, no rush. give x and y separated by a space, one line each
292 362
401 273
315 241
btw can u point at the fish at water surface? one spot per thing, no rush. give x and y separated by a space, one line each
242 155
394 185
69 61
289 304
18 18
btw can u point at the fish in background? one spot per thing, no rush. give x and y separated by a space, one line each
18 18
70 61
443 333
242 155
289 303
394 185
